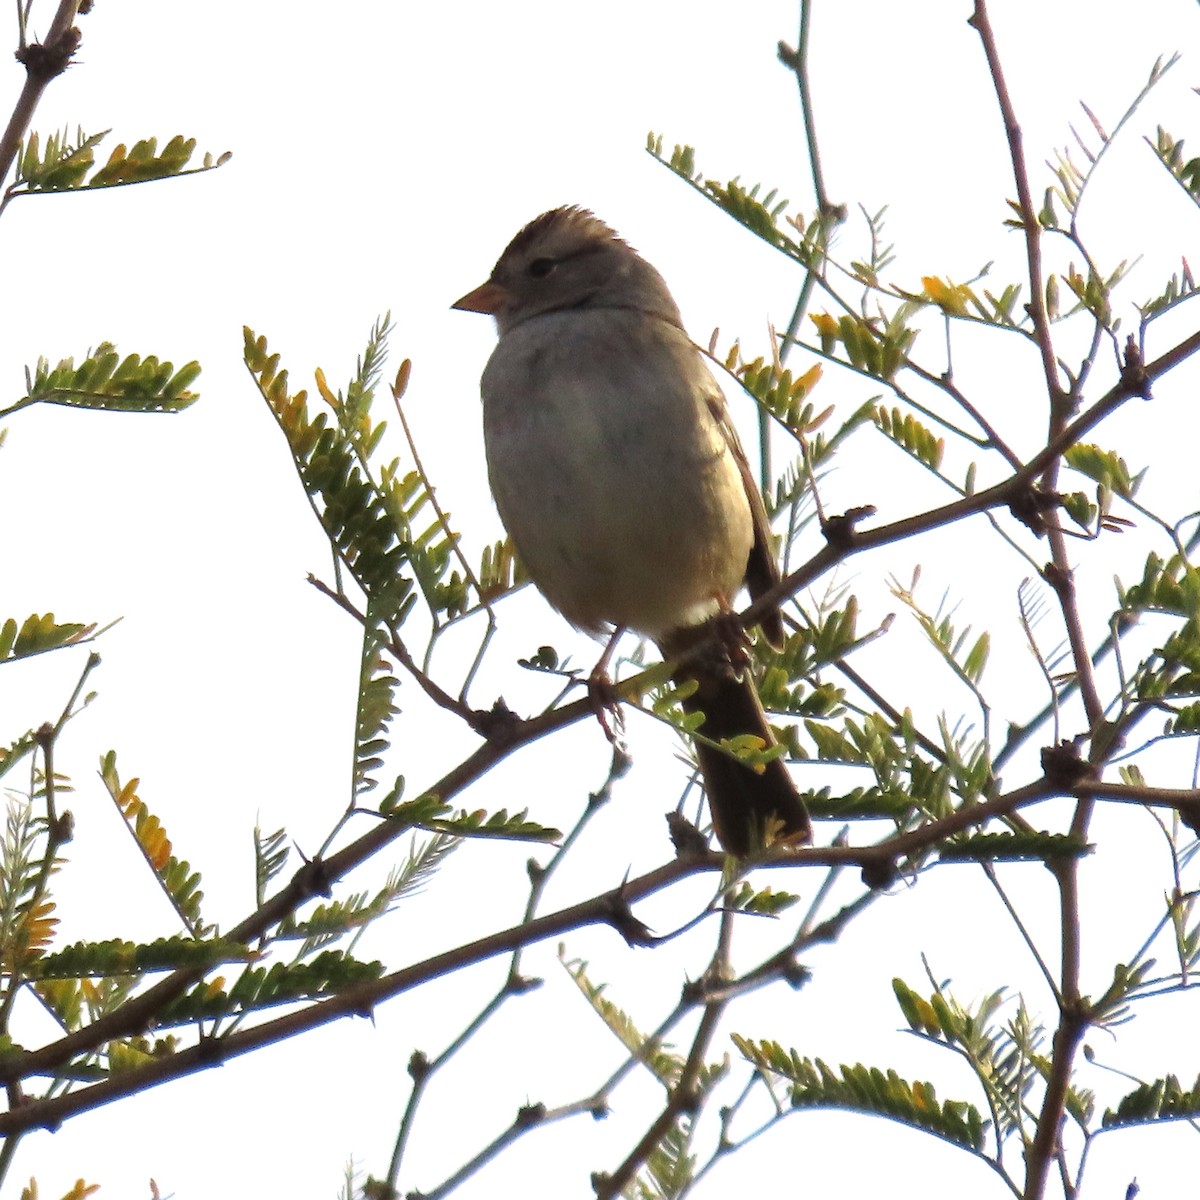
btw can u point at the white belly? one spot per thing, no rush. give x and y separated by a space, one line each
611 473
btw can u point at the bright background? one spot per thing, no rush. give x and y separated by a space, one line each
383 155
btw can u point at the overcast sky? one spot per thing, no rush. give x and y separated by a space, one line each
383 155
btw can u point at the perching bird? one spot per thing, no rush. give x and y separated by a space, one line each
623 486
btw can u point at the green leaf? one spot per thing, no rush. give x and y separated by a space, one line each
1104 466
1022 846
176 877
328 922
358 513
270 858
258 988
1160 1100
61 166
911 436
662 1063
64 164
868 1089
106 382
499 824
763 901
119 957
1170 586
1181 286
38 635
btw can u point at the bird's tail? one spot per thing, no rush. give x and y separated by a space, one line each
748 804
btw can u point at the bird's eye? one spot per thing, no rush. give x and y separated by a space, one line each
541 267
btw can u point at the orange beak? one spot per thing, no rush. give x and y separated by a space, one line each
486 298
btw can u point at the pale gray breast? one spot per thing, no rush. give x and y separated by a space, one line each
610 471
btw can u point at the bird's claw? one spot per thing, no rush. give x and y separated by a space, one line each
605 702
733 639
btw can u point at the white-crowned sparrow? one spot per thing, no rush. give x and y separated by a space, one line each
622 483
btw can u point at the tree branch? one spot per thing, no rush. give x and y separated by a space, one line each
43 62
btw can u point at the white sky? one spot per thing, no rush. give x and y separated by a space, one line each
383 155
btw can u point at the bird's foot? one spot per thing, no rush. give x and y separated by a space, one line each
732 638
606 703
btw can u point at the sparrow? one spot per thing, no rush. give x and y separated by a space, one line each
620 479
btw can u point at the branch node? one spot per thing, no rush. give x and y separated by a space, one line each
497 725
839 530
794 974
619 915
43 62
517 984
1064 767
686 1099
313 879
621 765
879 873
63 829
210 1051
1030 505
529 1115
418 1066
1061 579
1134 378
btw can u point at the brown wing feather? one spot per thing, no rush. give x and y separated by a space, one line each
762 571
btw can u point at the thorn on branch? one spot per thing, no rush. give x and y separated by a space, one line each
839 530
43 62
1134 379
619 915
313 879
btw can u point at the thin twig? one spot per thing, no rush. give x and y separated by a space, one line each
423 1071
1001 494
685 1098
1029 222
